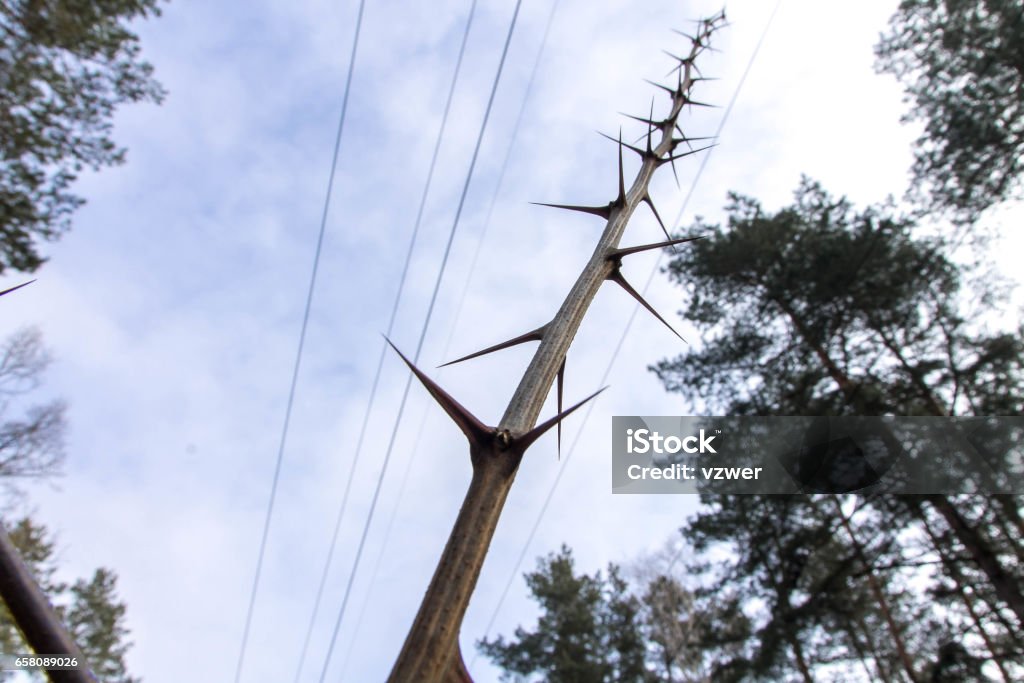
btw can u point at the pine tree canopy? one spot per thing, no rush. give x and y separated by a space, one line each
962 63
65 65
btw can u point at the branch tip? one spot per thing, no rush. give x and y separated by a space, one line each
11 289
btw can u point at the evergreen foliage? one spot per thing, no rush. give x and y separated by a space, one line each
820 309
65 66
962 63
604 629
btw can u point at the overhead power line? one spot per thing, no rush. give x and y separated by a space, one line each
298 353
380 361
618 347
419 346
458 312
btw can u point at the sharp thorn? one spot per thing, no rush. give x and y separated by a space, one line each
617 254
476 431
558 409
650 131
695 103
650 203
675 173
667 89
641 119
678 141
616 276
621 199
686 154
11 289
527 439
628 146
681 60
604 212
535 335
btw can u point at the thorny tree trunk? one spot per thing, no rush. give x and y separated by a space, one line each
430 652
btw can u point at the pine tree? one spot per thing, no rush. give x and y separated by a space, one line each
65 66
962 63
819 309
588 630
595 629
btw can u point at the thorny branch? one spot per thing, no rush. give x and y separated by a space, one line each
431 653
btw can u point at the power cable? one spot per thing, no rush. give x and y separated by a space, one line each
629 324
380 361
298 354
419 345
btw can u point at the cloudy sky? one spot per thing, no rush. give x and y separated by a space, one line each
174 305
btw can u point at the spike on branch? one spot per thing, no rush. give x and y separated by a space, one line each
476 431
616 277
647 199
685 140
695 103
527 439
558 406
535 335
667 89
639 152
604 212
643 119
616 255
686 35
699 40
650 132
621 199
675 174
11 289
683 61
672 157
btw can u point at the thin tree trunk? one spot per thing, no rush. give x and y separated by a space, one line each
883 602
1003 583
801 663
883 671
954 573
862 656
